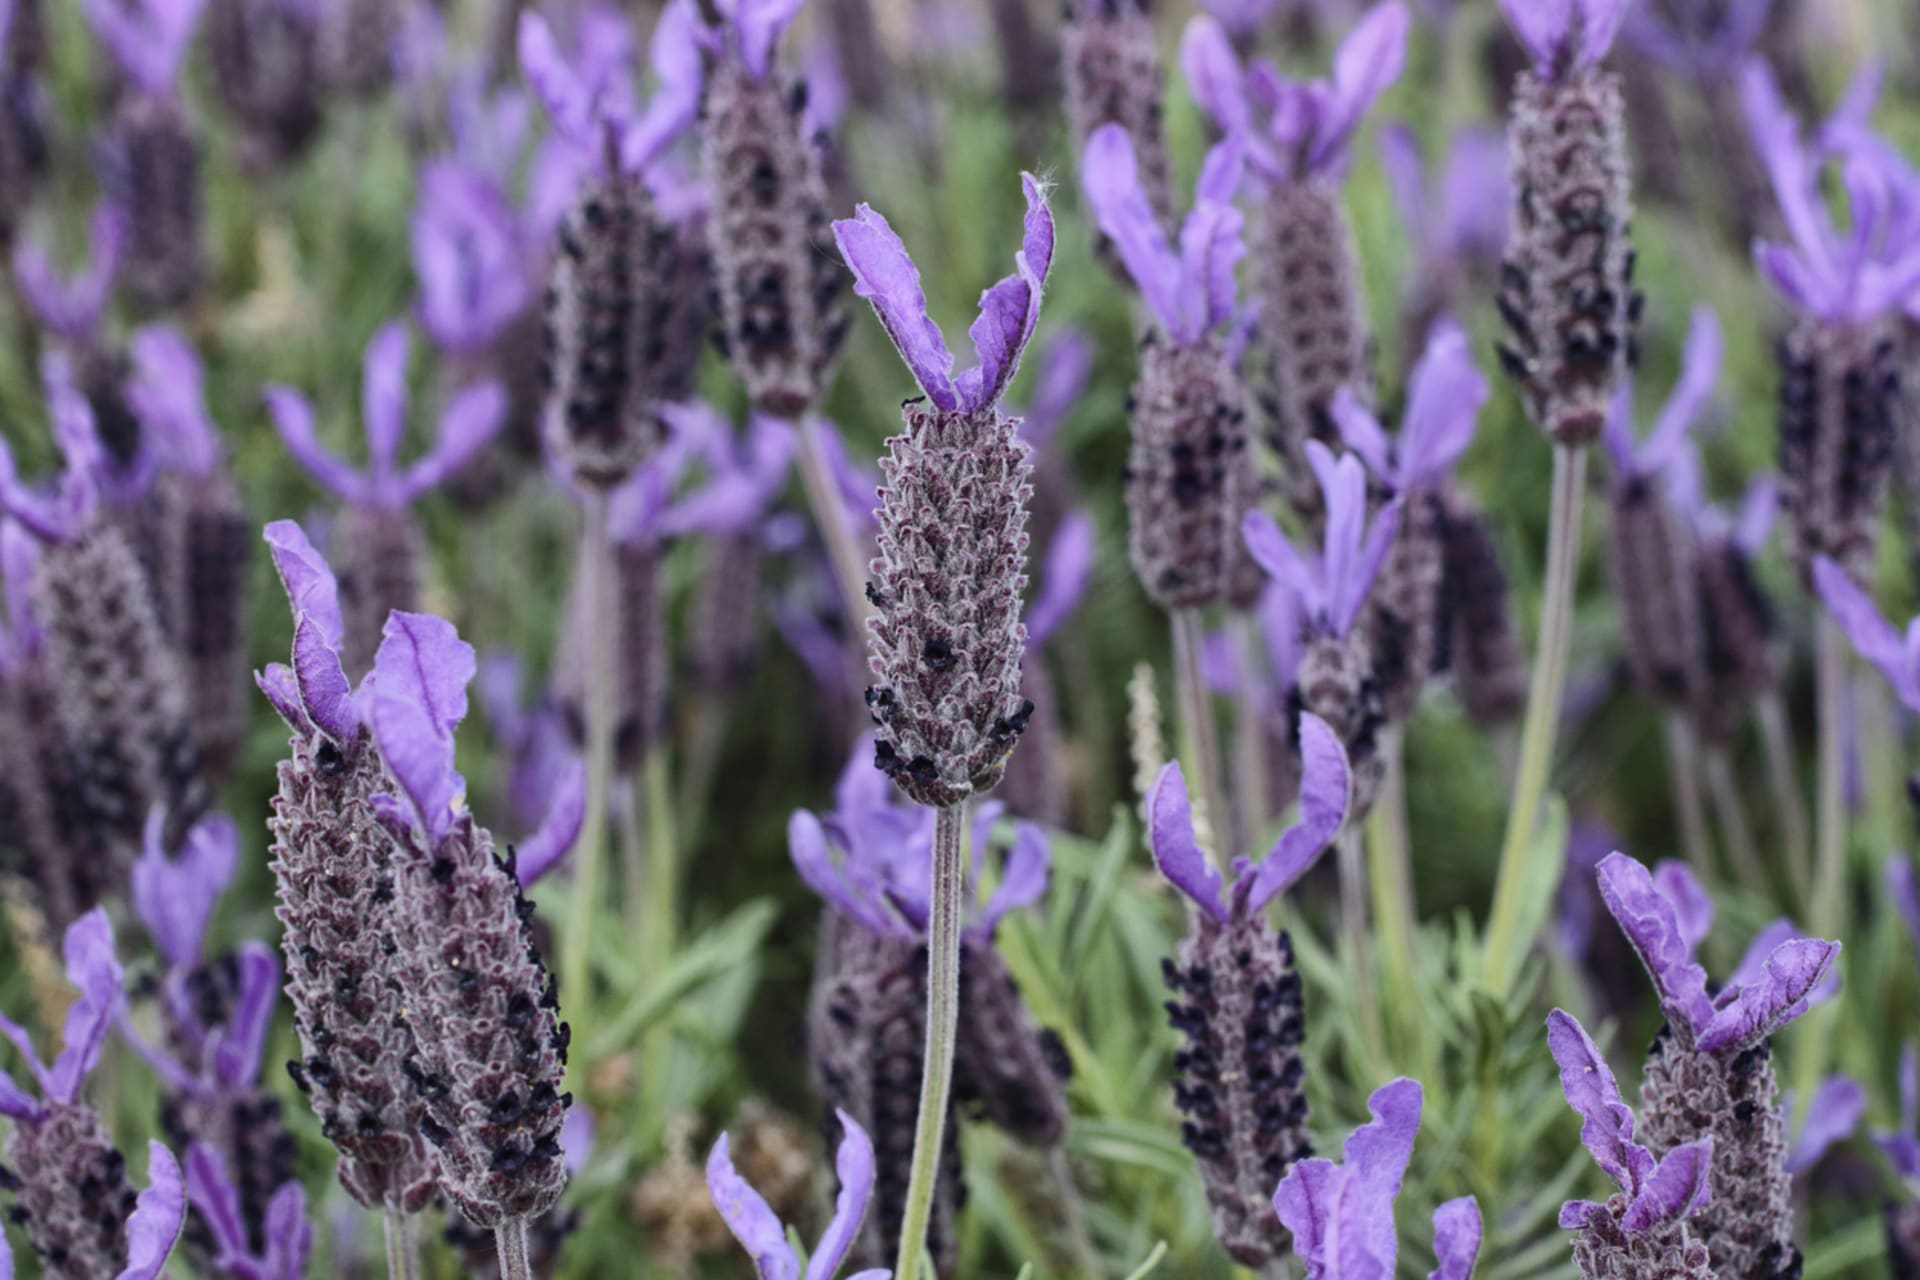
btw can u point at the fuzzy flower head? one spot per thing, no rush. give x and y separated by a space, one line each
1565 37
289 1234
1836 279
592 103
1896 654
469 422
1293 130
70 308
1700 362
759 1230
1191 291
64 514
1341 1215
168 394
1443 408
1777 982
469 258
1326 785
1657 1193
1332 587
1464 213
148 38
885 276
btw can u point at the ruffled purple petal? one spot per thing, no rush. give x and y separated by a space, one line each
1678 1188
758 24
283 691
1302 578
236 1060
167 394
1762 1008
1577 1215
1370 59
1456 1239
1692 904
16 1103
1699 375
568 101
1211 247
1326 789
325 694
1753 965
842 886
1010 310
307 577
293 419
1361 432
1833 1115
420 677
148 38
1064 581
678 54
217 1201
885 276
1305 1203
1607 1123
95 972
854 1165
1214 77
540 852
383 397
1110 178
1544 26
749 1217
1599 25
1377 1155
1873 636
159 1216
290 1233
72 308
1024 880
1443 407
174 898
1180 859
472 419
1652 926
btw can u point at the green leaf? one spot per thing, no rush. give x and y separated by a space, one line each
1150 1264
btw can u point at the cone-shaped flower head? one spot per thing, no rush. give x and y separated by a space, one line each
1237 1000
1190 473
946 640
288 1233
1443 407
72 1197
1566 287
489 1048
334 871
71 308
264 56
1641 1233
1743 657
760 1231
1113 75
1712 1078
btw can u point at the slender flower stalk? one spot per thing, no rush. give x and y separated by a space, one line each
947 639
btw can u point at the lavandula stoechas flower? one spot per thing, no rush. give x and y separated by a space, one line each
1114 76
214 1011
1479 639
760 1232
613 300
1456 219
1444 400
1190 472
489 1049
1336 681
780 299
1341 1215
71 310
154 169
1038 789
376 542
946 638
1709 1076
1840 386
71 1195
117 687
264 55
1644 1232
335 873
286 1236
201 540
1238 1082
1654 551
1567 282
1313 329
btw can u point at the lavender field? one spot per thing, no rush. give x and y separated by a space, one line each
999 639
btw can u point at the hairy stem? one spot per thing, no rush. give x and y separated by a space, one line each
1390 877
1351 854
1784 781
1683 758
1830 811
943 1016
1730 811
596 565
403 1244
830 515
510 1238
1542 718
1202 735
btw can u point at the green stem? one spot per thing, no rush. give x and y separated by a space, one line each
510 1238
659 919
1542 719
1202 734
1085 1256
830 515
1682 769
1784 774
403 1244
1390 876
1353 923
943 1015
597 699
1730 811
1830 813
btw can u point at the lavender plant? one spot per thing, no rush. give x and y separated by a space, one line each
1113 75
71 310
759 1231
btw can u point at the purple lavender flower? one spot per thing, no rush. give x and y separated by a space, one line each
376 541
1708 42
1480 643
1190 472
489 1050
1445 396
1896 655
70 1185
264 55
1833 1115
1710 1075
1298 137
1567 283
1644 1232
760 1231
289 1234
469 258
1743 652
1457 222
70 309
1113 75
1237 1000
1341 1215
1337 680
947 639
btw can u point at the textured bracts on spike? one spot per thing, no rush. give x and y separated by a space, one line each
1190 475
1840 394
725 628
1238 1080
1114 75
72 1197
780 287
1603 1251
116 685
946 640
265 64
1567 283
1685 1095
205 545
333 866
1005 1064
1654 565
1336 682
490 1051
1403 610
356 45
1481 644
45 833
156 177
683 304
379 553
1742 654
1313 321
608 306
